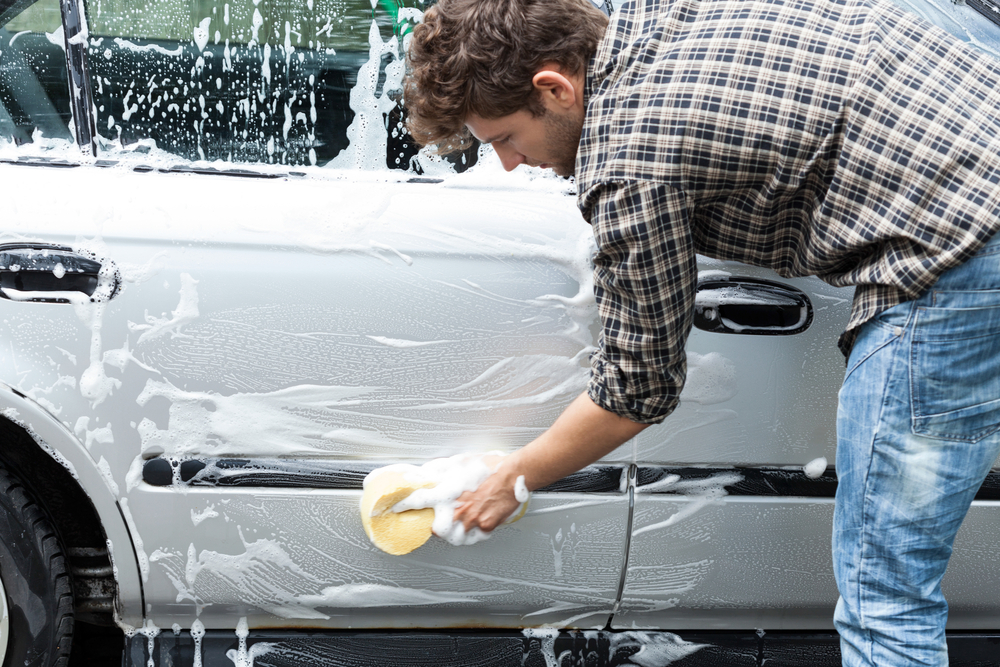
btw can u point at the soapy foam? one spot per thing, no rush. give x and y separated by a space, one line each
815 468
185 313
711 379
208 513
547 640
451 477
705 492
521 493
197 634
351 596
656 649
150 632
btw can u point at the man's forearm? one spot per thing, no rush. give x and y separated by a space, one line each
582 434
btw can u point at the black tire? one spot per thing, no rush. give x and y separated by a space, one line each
35 580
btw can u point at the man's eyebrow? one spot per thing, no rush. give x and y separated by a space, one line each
489 140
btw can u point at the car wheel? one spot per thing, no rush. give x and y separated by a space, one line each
36 616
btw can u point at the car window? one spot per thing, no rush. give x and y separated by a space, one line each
315 82
34 92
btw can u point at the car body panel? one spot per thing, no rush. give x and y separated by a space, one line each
361 332
299 558
744 562
728 563
757 400
352 332
345 314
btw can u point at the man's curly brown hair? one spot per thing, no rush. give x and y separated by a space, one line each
479 56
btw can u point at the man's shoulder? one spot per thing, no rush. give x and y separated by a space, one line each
673 75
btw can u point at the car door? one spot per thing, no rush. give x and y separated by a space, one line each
273 313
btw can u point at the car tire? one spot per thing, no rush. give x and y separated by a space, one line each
35 583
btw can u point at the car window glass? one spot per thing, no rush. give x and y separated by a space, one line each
310 82
34 92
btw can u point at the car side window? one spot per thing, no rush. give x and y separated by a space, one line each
34 91
312 82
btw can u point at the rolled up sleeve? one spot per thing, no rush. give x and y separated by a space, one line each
645 278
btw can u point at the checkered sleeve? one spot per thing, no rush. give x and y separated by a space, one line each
645 277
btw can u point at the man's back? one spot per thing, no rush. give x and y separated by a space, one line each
842 139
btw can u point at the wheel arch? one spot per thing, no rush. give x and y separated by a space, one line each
66 481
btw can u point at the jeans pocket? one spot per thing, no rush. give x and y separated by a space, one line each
955 366
876 334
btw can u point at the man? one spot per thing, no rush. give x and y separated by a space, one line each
834 138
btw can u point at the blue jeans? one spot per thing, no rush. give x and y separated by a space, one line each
918 429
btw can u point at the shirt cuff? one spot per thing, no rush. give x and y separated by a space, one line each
643 402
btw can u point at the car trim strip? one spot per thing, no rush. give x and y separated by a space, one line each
458 648
603 478
321 474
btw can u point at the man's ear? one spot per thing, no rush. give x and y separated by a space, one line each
554 89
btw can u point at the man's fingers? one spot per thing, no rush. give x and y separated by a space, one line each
485 507
463 511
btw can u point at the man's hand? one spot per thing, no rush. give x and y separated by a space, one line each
582 434
490 505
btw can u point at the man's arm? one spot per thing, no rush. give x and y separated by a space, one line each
582 434
645 278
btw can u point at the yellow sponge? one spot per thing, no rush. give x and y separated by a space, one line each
395 533
399 533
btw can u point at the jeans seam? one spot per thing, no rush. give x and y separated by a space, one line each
866 507
868 356
915 404
897 331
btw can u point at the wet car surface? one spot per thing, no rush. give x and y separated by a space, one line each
231 287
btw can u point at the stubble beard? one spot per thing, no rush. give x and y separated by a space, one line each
563 137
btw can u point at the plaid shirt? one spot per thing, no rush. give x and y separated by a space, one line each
836 138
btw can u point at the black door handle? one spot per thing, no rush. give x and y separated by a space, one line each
32 270
751 306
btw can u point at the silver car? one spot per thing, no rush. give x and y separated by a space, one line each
231 286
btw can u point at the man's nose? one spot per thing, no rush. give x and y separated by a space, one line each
509 157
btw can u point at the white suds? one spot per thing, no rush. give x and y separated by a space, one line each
197 634
659 485
656 649
703 492
208 513
200 34
547 638
400 343
244 657
815 468
355 596
150 631
521 493
185 313
711 379
451 477
240 658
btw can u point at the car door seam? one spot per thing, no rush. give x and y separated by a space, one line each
632 476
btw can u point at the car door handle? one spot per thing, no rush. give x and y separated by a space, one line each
46 273
751 306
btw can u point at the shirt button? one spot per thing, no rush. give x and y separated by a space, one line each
898 331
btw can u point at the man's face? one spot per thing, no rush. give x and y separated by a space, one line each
548 141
